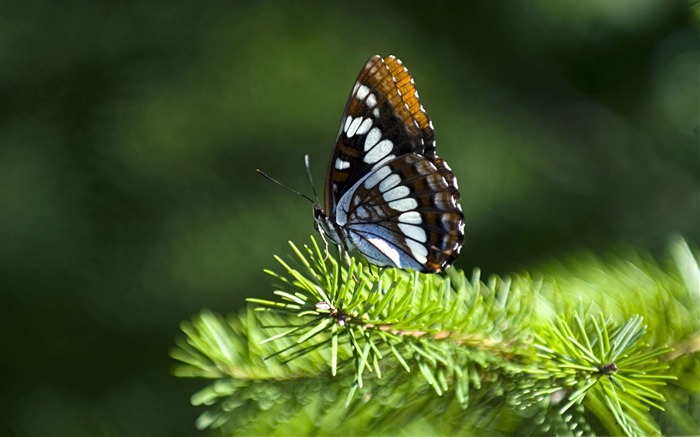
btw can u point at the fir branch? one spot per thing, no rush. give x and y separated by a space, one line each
344 348
426 319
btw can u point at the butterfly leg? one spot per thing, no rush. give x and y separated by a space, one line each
323 237
379 271
347 257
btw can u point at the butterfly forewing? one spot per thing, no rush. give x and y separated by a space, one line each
383 118
388 194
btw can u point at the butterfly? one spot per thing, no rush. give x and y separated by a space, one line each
388 195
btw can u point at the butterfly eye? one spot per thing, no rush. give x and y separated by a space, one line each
387 194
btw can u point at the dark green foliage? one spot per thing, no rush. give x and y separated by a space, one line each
352 350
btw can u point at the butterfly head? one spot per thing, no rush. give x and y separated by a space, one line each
320 220
327 227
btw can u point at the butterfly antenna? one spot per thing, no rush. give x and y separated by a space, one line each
311 179
270 178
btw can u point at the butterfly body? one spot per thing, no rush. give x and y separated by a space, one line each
388 195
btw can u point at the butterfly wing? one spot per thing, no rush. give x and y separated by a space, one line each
406 214
383 118
388 194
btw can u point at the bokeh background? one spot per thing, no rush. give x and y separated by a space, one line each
131 132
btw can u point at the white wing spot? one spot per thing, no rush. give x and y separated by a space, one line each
415 232
379 151
374 178
362 92
364 127
406 204
372 138
341 165
419 252
375 112
434 182
389 182
371 101
353 127
412 217
396 193
348 120
387 250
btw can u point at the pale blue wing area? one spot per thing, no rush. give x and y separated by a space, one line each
380 247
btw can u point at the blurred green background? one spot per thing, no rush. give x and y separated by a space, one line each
131 132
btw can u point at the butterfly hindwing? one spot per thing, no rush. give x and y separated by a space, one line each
404 214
